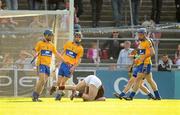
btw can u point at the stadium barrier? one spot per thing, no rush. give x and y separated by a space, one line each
168 83
21 82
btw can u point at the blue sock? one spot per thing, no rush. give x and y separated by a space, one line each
122 94
35 95
132 94
156 93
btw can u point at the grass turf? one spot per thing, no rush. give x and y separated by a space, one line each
24 106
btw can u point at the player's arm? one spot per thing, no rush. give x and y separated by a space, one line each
133 54
151 51
76 64
57 54
79 56
61 54
36 52
151 48
78 60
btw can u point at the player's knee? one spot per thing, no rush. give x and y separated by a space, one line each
42 82
138 79
131 81
91 97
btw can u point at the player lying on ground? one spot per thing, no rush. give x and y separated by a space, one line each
90 89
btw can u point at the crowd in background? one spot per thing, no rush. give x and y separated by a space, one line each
114 48
96 6
117 50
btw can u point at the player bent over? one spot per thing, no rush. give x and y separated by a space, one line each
44 50
91 89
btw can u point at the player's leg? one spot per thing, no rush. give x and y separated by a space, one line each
139 75
137 84
66 75
80 87
126 89
41 83
142 69
63 76
100 94
133 74
93 90
146 90
129 85
43 77
62 82
39 86
153 85
55 88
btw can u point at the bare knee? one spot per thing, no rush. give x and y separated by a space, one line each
42 82
90 98
140 77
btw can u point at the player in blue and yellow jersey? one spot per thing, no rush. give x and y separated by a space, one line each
144 64
72 53
44 50
133 71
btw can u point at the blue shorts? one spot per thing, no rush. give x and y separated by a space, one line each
44 69
64 70
135 71
142 69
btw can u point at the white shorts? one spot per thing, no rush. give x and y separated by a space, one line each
94 80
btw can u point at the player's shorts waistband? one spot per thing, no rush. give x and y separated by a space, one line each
67 63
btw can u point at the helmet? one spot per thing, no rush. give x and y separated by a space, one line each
77 37
48 33
78 34
142 30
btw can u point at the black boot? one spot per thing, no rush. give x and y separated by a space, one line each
151 96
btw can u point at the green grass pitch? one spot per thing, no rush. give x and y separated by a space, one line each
24 106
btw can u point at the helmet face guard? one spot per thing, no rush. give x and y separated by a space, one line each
48 34
142 33
77 38
142 30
